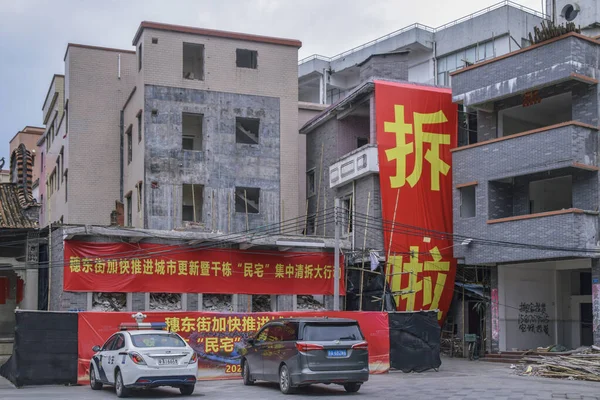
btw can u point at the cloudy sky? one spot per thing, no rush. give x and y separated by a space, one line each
34 33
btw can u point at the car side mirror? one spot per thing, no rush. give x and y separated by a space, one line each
251 341
96 348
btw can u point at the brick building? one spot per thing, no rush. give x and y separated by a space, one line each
526 194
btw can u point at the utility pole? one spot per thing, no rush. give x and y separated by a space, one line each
336 270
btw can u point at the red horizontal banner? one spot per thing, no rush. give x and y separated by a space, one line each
219 338
126 267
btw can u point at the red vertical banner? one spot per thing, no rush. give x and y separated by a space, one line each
416 128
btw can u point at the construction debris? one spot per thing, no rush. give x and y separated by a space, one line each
261 303
165 301
109 302
217 302
581 364
308 302
549 30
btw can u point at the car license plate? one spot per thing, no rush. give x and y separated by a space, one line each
336 353
167 361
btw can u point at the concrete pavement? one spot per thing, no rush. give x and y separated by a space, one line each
456 379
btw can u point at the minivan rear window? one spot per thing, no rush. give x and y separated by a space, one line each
326 333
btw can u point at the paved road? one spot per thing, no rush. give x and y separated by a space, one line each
457 379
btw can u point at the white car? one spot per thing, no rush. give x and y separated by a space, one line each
144 358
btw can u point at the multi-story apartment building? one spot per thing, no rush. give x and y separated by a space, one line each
430 54
210 130
526 194
194 128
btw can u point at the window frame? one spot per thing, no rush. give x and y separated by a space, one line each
240 55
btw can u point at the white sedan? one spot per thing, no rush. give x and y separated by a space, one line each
144 359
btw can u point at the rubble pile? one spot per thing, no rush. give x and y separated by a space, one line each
165 301
261 303
217 302
309 303
109 302
452 347
581 364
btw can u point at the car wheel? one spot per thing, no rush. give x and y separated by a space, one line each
285 382
352 387
120 388
94 384
246 374
187 389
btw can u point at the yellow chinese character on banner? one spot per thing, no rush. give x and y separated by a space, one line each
416 282
193 268
203 324
308 271
86 265
219 324
112 267
403 148
299 271
136 267
159 267
259 270
124 267
187 324
248 324
172 324
319 272
204 268
226 269
75 264
227 344
216 267
328 272
171 267
261 321
99 266
234 324
148 266
183 267
290 271
211 345
248 271
279 271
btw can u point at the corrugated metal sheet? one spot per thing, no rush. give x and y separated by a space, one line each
11 211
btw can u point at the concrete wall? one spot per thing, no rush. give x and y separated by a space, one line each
60 300
96 96
133 173
220 167
275 77
333 140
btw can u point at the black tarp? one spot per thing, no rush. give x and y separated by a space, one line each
45 349
371 292
414 341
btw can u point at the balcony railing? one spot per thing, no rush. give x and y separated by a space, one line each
354 165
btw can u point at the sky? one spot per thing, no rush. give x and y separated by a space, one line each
34 33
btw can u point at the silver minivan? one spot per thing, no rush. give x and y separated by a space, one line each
297 352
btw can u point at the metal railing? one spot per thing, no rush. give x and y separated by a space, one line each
426 28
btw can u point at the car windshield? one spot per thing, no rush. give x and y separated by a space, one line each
157 340
325 333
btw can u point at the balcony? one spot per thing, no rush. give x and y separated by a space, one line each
569 57
567 145
354 165
563 230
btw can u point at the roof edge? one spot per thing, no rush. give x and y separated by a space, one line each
213 33
86 46
50 87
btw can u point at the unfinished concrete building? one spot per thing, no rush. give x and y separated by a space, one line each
210 131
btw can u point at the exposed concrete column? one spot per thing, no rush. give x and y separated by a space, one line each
284 303
372 121
596 299
30 298
241 302
493 311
